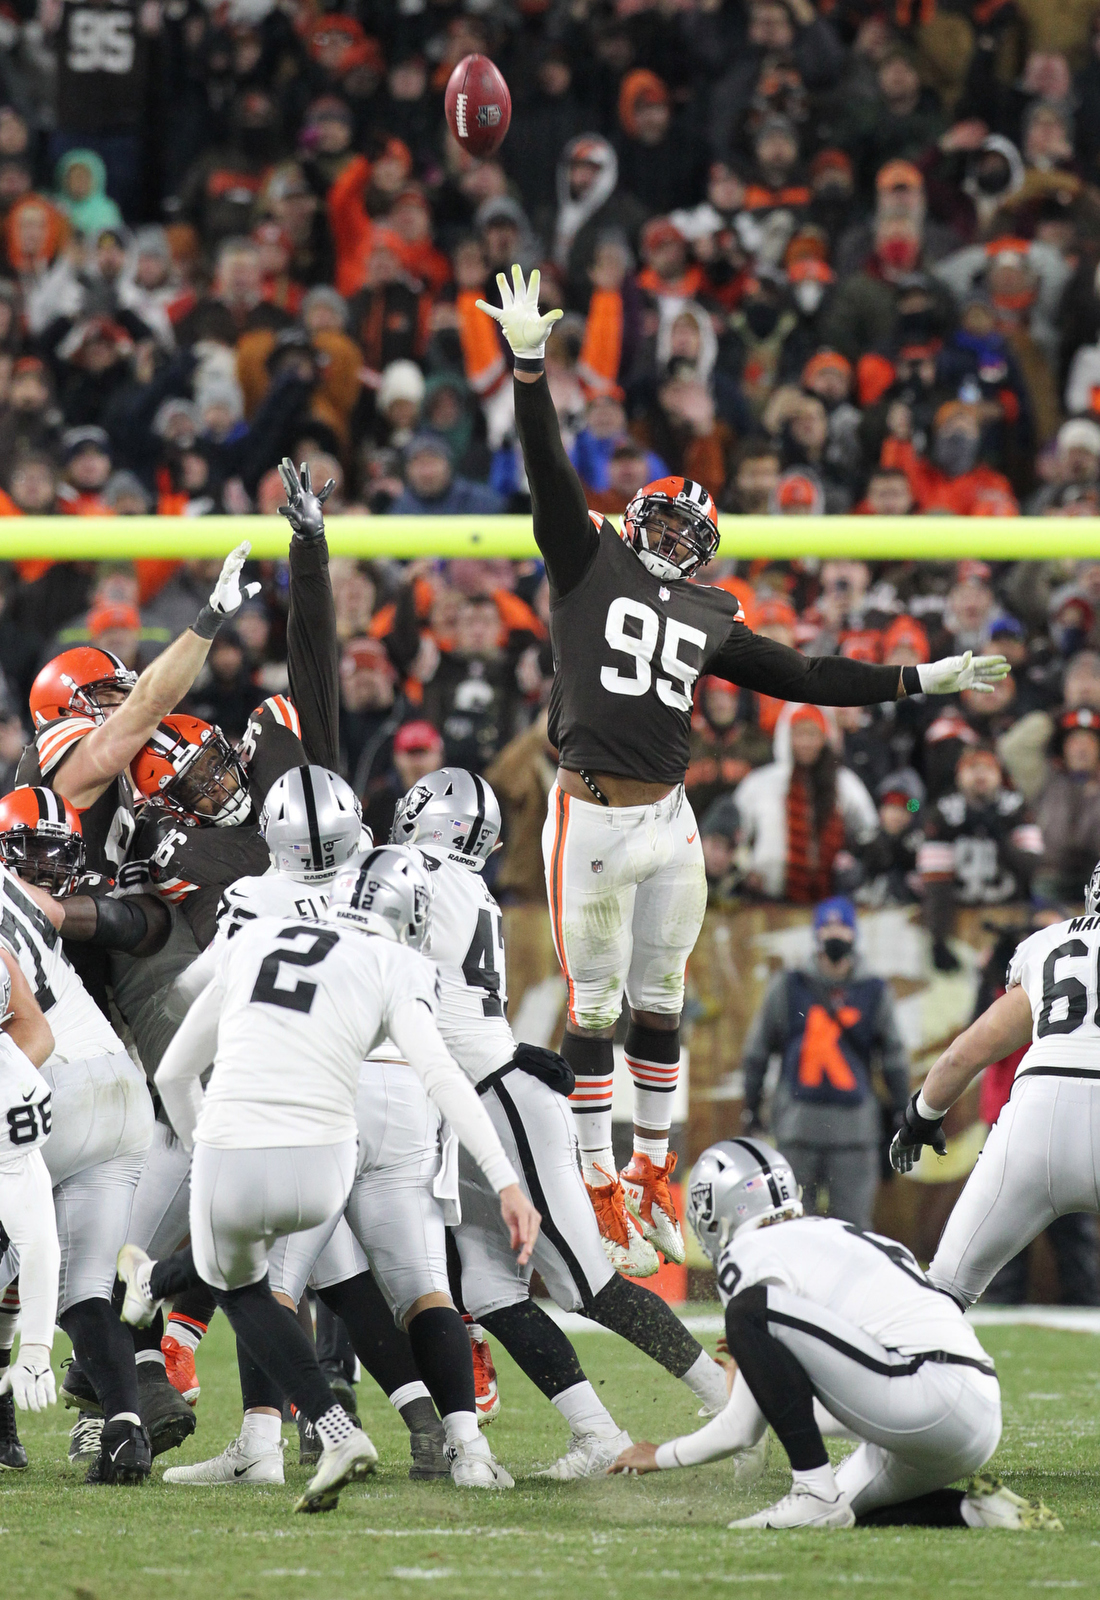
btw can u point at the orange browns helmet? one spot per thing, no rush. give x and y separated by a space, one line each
71 684
672 526
40 839
190 767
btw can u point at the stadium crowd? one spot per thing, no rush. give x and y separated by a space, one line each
841 258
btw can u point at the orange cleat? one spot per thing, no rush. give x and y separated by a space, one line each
649 1200
179 1363
625 1245
486 1397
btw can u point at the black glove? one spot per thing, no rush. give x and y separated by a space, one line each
304 513
915 1132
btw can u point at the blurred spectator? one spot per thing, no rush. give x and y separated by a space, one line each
981 848
803 814
832 1024
417 750
1068 809
433 488
726 742
522 776
889 860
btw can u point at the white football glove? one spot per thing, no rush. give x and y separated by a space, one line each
953 673
518 314
30 1378
228 594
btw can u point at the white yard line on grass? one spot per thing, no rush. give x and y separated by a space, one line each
1068 1319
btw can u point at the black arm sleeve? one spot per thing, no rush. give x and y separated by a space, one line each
747 659
564 531
312 651
137 924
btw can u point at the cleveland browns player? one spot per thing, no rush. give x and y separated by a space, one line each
631 634
92 716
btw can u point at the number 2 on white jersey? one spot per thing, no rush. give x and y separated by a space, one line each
676 689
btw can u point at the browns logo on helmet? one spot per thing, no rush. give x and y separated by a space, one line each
189 766
40 839
84 681
672 526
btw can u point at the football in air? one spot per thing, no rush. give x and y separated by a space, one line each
478 105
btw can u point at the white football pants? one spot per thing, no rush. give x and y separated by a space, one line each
924 1422
536 1129
102 1126
392 1220
1040 1161
627 891
243 1200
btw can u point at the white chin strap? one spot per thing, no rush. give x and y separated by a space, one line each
659 566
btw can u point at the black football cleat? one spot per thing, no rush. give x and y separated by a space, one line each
125 1454
165 1413
309 1443
77 1390
428 1459
13 1458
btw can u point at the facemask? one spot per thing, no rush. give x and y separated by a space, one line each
955 453
835 950
808 296
761 318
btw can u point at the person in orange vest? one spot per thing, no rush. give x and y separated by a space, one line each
830 1023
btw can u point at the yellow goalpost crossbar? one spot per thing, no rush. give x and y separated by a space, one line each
405 538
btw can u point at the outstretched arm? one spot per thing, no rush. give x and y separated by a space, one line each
1004 1027
753 662
98 758
564 531
312 649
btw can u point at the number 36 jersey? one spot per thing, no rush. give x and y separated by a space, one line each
24 1104
466 942
1059 972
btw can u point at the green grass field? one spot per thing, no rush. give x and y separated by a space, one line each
662 1535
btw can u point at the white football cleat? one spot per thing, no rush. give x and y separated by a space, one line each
649 1200
133 1267
988 1504
234 1465
802 1508
625 1245
588 1456
354 1457
750 1465
473 1466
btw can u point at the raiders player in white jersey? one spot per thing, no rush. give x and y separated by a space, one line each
26 1209
453 819
102 1125
1040 1159
275 1134
312 825
815 1308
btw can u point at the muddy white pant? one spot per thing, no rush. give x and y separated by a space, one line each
536 1129
1041 1161
627 890
102 1125
925 1419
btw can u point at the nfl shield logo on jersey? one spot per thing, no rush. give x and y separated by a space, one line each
597 866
